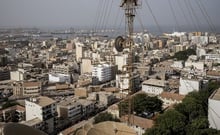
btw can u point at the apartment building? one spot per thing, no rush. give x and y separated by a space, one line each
43 108
27 89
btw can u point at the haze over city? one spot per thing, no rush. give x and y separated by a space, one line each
83 13
109 67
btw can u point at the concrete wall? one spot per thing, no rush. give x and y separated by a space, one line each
214 114
188 85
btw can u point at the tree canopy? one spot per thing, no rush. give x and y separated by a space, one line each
183 55
105 117
141 103
188 117
171 122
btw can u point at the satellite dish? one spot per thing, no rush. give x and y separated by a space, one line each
119 43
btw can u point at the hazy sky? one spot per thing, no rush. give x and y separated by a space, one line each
67 13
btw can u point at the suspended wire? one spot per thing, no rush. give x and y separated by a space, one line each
209 18
98 14
154 17
115 22
101 14
120 24
190 14
204 15
183 12
174 15
194 14
108 15
106 6
140 21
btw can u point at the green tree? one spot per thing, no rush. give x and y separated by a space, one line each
170 123
183 55
153 104
123 108
193 111
190 109
105 117
141 103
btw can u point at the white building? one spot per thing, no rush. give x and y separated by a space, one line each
177 64
214 110
153 86
188 85
213 57
121 60
103 72
59 78
43 108
195 65
61 73
203 40
122 82
62 69
200 52
17 75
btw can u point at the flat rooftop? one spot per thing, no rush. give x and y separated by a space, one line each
215 95
32 122
42 101
154 82
68 102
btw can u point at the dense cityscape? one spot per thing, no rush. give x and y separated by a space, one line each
83 82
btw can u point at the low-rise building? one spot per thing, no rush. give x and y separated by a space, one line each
54 78
154 86
189 84
88 107
69 110
12 114
81 92
17 75
106 98
35 123
139 124
169 98
27 89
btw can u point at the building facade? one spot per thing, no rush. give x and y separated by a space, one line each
153 86
188 85
43 108
27 89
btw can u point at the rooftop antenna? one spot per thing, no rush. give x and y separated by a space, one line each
121 43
